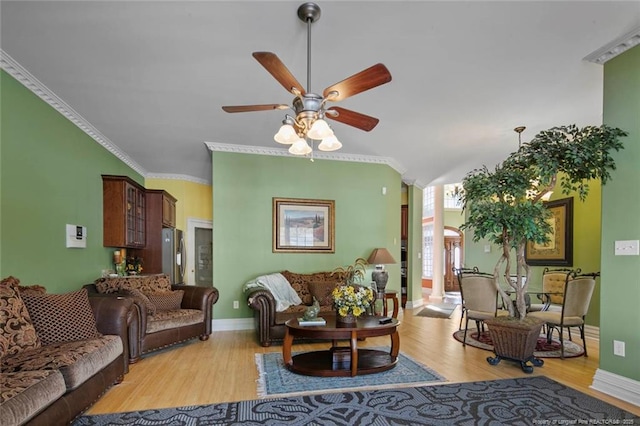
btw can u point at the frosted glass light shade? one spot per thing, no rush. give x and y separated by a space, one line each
330 144
300 147
319 130
286 135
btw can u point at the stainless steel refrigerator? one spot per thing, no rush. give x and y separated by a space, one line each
174 256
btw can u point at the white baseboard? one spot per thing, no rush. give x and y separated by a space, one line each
233 324
412 304
617 386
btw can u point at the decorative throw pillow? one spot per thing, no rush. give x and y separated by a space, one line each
31 289
166 301
141 298
62 317
108 285
152 284
322 292
299 282
17 333
145 283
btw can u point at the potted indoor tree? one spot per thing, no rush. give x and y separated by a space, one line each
505 205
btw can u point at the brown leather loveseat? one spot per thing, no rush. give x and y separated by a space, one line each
166 314
269 321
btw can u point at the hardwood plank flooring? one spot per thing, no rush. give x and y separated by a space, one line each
223 369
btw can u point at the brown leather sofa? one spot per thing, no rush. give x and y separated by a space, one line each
269 323
55 382
149 332
111 318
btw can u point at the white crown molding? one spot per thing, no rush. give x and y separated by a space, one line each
172 176
17 71
616 47
317 155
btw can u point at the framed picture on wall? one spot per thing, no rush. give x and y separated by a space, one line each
559 250
303 225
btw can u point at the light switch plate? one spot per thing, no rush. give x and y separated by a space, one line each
76 236
627 248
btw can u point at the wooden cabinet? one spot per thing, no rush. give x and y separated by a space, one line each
168 210
124 212
161 213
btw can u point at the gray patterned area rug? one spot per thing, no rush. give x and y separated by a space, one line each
523 401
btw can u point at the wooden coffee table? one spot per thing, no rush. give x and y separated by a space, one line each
342 360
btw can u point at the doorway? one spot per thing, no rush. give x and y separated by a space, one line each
200 246
453 250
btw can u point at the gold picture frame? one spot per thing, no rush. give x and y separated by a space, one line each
303 225
559 250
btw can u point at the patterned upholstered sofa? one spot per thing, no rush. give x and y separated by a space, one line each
167 314
269 322
58 353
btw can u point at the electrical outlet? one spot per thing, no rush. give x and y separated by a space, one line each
236 304
618 348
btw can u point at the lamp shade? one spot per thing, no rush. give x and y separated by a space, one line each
330 144
380 256
319 130
286 135
300 147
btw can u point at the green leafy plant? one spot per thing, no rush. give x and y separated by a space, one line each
505 205
353 273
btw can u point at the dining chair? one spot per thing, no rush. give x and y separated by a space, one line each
553 283
457 272
479 297
577 297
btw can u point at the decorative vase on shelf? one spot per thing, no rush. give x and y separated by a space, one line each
348 320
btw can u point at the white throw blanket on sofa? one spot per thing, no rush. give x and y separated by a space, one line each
279 287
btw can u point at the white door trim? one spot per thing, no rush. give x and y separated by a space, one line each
192 224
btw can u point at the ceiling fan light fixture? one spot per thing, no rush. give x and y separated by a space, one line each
319 130
330 144
300 147
308 124
286 135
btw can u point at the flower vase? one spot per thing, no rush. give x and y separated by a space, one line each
348 320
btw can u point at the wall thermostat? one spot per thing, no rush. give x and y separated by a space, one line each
76 236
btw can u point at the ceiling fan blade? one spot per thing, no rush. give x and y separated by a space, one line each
367 79
249 108
279 71
352 118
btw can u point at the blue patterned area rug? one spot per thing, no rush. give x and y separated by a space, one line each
274 380
523 401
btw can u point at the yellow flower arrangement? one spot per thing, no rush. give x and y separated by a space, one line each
134 264
350 299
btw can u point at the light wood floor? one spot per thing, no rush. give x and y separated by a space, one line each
223 369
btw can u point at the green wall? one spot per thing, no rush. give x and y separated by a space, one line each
49 177
414 268
620 295
243 188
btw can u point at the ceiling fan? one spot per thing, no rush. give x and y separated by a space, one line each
310 108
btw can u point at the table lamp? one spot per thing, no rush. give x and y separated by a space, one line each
380 257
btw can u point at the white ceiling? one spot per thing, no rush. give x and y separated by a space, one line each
151 77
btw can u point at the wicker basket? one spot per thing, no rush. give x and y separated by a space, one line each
514 338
